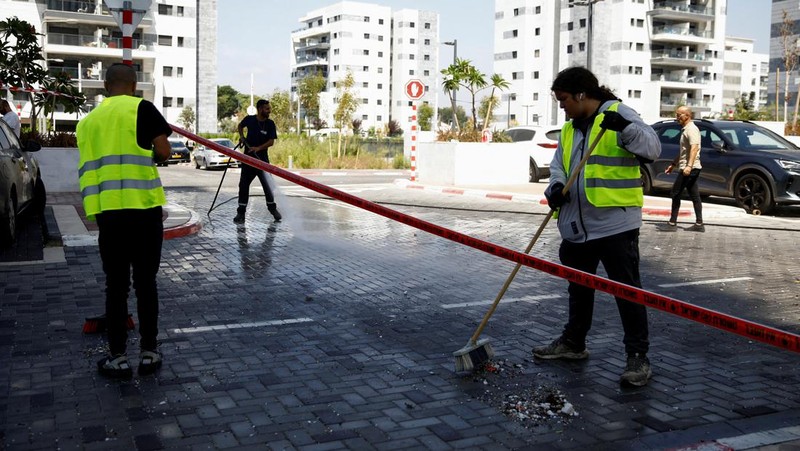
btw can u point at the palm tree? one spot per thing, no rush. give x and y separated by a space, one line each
472 79
451 85
497 82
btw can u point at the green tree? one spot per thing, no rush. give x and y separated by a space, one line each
744 111
486 109
461 115
282 112
497 82
450 83
347 105
473 80
308 89
227 101
424 117
187 118
20 57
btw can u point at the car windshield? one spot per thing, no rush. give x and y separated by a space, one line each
223 142
746 136
176 144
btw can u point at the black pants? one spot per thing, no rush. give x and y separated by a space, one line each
620 257
131 239
688 183
245 179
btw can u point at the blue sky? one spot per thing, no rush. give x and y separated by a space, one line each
254 35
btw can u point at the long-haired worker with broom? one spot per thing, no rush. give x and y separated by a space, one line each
600 217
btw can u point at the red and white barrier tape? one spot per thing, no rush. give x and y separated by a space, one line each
718 320
34 91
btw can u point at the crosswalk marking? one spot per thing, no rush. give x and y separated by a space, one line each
704 282
232 326
529 299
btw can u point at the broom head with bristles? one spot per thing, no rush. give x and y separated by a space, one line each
473 355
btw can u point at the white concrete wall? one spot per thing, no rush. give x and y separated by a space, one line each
59 166
458 164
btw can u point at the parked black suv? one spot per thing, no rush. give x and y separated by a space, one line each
741 160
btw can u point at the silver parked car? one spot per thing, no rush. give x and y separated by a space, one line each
206 158
21 186
543 142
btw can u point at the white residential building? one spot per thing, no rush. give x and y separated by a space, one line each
653 54
778 82
175 68
746 74
381 48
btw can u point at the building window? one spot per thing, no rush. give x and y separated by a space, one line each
166 102
514 33
336 68
365 101
167 71
180 41
380 70
366 18
427 42
335 51
536 53
180 72
535 96
427 25
165 10
569 48
380 102
514 54
180 102
516 11
639 23
537 31
536 75
582 46
570 26
411 72
379 118
365 84
426 57
634 94
411 56
426 73
164 40
380 21
380 85
380 38
366 35
582 23
180 11
411 24
412 41
380 54
364 117
365 69
366 52
538 10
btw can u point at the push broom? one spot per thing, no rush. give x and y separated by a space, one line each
476 352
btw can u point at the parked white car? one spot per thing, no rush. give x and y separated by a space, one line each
543 142
206 158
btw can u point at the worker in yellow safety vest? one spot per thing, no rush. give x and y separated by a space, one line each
600 216
119 143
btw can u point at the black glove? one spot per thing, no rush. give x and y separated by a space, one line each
614 121
556 198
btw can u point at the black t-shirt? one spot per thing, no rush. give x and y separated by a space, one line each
149 124
259 132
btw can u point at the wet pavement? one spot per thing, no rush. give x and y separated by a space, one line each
334 329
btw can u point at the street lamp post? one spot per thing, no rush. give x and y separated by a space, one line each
454 43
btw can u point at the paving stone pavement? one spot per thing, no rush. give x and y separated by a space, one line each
331 330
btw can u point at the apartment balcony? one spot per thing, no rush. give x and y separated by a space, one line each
94 79
681 12
670 103
681 35
679 59
82 11
310 61
313 44
680 82
99 46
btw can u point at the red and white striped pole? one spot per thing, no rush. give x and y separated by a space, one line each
127 33
414 142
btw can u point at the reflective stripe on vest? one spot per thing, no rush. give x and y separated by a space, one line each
611 176
114 172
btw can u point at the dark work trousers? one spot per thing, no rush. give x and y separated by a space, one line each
245 179
688 183
620 257
131 239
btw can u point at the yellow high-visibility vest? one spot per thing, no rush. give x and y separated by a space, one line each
113 171
611 177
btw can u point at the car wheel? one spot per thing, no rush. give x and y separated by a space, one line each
647 183
39 197
8 223
752 192
533 172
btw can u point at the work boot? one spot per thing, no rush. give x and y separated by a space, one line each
637 370
115 366
560 349
239 218
273 209
697 228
